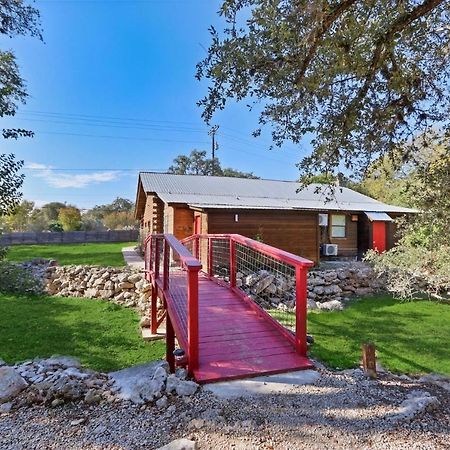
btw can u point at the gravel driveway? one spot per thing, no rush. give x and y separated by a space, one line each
338 411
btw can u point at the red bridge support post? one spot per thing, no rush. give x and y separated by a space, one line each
170 344
193 339
301 309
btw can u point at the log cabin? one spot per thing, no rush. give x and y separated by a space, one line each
308 222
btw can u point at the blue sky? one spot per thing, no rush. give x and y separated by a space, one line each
112 91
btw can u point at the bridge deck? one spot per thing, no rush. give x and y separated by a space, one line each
234 341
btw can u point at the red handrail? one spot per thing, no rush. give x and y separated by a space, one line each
192 266
276 253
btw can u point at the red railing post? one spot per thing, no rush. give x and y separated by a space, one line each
166 265
193 339
232 262
210 257
154 265
301 294
157 256
197 247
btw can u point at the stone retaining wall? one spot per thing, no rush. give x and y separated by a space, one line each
327 289
120 285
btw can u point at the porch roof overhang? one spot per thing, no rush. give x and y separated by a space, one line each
375 216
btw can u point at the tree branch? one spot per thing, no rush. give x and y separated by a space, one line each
318 34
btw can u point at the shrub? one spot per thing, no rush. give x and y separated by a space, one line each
3 252
414 272
17 280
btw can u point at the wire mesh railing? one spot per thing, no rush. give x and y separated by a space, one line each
270 278
270 283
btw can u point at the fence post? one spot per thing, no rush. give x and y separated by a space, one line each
192 314
301 293
210 257
232 262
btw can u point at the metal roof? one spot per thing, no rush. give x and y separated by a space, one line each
226 192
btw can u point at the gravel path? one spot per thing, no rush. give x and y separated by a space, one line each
338 411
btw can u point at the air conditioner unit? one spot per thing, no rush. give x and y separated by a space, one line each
330 249
323 220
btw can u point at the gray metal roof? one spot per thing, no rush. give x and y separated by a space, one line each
242 193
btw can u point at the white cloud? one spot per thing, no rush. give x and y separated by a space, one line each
64 180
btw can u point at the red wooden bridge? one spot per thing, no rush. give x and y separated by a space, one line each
237 307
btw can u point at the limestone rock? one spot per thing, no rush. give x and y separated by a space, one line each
180 444
11 384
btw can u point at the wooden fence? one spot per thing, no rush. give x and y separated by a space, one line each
68 237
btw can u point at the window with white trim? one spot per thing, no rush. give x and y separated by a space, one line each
338 226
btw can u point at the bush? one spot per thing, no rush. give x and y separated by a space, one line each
414 272
17 280
3 252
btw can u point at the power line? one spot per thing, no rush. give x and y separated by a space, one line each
59 169
176 125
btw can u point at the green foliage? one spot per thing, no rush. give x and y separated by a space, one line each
356 78
104 336
117 215
198 164
16 19
70 218
414 271
20 217
104 254
16 280
410 337
123 220
10 183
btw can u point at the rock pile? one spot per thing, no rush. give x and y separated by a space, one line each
122 286
60 379
52 381
327 289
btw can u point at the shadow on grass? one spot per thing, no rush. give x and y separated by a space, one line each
103 335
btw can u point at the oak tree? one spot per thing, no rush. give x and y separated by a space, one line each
356 78
17 18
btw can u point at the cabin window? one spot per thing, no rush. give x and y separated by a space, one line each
338 222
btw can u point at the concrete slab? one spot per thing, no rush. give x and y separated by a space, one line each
267 385
148 336
133 258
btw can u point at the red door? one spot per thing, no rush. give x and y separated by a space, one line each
379 236
198 225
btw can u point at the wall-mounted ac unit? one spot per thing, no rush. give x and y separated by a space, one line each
323 220
330 249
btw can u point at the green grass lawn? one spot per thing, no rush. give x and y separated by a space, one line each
103 254
410 337
104 336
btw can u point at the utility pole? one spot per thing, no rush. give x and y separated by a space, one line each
212 132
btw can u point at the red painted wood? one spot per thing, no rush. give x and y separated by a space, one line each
198 225
379 236
210 258
232 263
226 335
170 344
301 294
192 313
